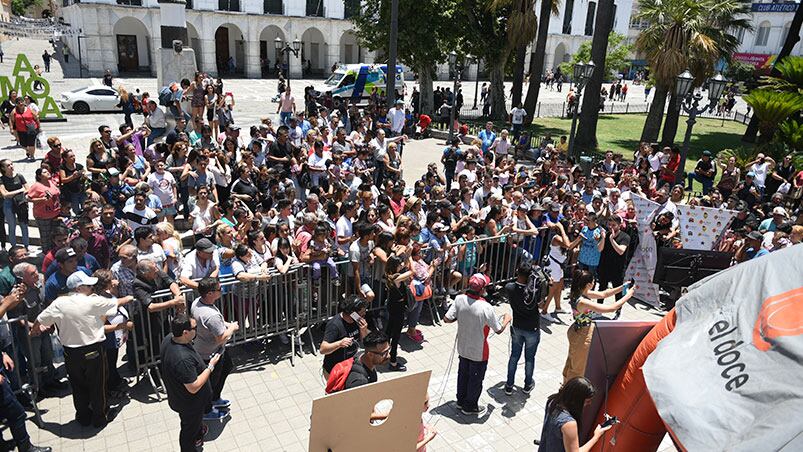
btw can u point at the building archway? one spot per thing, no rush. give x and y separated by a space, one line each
268 55
194 43
230 50
350 51
133 46
560 55
313 52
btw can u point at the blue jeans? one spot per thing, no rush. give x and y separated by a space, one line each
469 382
14 414
413 312
156 132
284 117
528 341
11 221
707 182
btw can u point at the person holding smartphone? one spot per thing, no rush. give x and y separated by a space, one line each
342 333
564 410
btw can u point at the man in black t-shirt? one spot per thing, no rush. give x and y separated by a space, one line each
614 255
377 353
281 150
525 332
186 379
704 173
342 333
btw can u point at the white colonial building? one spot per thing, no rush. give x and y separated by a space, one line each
124 35
771 22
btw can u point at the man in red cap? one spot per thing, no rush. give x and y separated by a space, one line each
476 319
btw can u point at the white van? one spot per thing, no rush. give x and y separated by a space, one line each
356 81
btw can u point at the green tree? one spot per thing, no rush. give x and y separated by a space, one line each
20 7
616 58
779 102
421 46
739 72
685 34
521 29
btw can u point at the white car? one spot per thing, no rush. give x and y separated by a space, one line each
91 98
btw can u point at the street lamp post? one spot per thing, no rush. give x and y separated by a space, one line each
691 105
582 73
80 54
459 65
286 50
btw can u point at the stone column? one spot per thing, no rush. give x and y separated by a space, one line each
253 67
295 65
208 56
173 65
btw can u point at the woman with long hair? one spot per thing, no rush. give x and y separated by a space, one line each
99 159
45 194
584 312
564 410
26 124
127 104
15 202
397 276
211 102
205 216
558 247
171 244
175 164
198 99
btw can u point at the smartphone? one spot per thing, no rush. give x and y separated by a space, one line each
610 421
355 316
625 288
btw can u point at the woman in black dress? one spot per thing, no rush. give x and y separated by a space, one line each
397 276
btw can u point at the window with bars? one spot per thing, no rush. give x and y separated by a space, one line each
188 5
315 8
273 7
228 5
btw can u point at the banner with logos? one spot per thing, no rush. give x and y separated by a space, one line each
701 227
728 377
642 266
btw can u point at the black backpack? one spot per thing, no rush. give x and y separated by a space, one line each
537 285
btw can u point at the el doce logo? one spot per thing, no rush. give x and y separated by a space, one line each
780 315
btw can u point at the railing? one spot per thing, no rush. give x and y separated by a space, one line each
294 302
24 378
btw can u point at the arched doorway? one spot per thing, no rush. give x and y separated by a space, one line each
133 46
560 54
195 43
230 50
268 55
350 51
313 52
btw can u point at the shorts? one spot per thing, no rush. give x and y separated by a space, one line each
167 210
555 271
210 114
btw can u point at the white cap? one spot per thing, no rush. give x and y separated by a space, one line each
80 278
779 211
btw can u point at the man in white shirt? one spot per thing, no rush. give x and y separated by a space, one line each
79 317
156 121
199 263
139 214
517 116
163 185
316 163
396 116
761 167
379 145
344 226
287 106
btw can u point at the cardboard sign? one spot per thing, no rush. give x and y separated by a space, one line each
340 421
22 80
701 227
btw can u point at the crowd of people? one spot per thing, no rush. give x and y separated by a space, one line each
324 189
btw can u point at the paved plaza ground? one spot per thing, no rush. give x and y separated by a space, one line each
272 399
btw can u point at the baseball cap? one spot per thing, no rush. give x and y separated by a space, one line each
205 245
440 227
399 102
233 127
750 174
536 206
477 282
755 235
555 207
80 278
113 172
64 254
779 211
707 153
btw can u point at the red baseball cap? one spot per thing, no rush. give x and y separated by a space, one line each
477 282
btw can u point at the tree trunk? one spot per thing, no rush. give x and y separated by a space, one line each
670 122
654 117
792 37
425 83
586 138
518 74
497 89
537 61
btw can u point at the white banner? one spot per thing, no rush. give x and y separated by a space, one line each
700 227
642 266
728 377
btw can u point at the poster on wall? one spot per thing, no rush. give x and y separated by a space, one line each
701 227
642 266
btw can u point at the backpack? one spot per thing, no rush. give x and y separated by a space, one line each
537 285
165 96
339 375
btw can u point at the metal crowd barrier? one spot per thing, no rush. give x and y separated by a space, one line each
294 302
28 385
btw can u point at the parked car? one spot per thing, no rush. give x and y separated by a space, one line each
90 98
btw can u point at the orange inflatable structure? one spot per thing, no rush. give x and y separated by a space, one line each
641 428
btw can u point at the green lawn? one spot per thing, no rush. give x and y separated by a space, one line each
621 134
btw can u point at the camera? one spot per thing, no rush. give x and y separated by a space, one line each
178 46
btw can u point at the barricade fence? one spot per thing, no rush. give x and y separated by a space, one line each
293 302
31 360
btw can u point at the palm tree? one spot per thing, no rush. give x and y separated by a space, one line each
537 56
682 34
522 24
779 98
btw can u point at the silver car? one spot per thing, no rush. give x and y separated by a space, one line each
91 98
